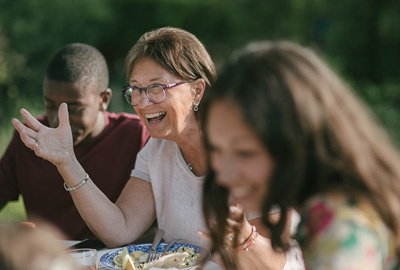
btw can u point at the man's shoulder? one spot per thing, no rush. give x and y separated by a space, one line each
124 119
122 116
125 126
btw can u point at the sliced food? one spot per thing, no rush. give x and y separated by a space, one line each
171 260
127 263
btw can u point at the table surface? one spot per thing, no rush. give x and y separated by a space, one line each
100 252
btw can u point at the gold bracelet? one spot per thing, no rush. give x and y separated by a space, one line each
248 244
69 189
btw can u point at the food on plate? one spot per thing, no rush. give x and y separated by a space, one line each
171 260
179 258
127 263
118 259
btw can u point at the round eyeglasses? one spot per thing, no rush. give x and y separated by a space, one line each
154 92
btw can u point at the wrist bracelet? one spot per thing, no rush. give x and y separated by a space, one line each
248 244
69 189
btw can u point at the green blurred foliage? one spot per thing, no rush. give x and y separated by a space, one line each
360 38
13 211
384 102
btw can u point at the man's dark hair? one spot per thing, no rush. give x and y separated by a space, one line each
79 62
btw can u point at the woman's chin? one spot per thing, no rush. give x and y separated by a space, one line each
249 203
251 207
156 134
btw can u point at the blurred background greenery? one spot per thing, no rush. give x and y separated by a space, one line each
359 38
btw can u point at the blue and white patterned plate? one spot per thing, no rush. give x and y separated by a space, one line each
107 259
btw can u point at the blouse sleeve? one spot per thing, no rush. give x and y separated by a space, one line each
141 165
342 235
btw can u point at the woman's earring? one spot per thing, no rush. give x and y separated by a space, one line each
196 107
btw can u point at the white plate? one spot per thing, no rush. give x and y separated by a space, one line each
107 259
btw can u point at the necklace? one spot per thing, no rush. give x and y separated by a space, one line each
190 164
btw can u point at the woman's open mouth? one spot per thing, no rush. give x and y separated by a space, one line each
153 118
242 194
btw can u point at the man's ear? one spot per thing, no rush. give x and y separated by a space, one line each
105 98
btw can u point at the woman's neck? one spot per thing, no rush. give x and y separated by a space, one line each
193 152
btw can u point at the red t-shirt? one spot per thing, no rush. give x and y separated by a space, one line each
108 159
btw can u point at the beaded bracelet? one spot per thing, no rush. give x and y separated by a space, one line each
69 189
248 244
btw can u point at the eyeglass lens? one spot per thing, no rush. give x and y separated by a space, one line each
155 93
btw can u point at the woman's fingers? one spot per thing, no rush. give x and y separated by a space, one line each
63 116
235 218
237 225
236 212
232 227
29 132
232 224
52 144
28 136
31 121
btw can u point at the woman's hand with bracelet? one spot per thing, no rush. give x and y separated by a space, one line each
238 227
253 250
54 145
248 239
240 235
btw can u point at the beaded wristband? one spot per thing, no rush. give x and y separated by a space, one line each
69 189
248 244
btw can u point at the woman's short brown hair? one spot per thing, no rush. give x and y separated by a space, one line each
177 50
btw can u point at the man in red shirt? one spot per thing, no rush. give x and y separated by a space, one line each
106 144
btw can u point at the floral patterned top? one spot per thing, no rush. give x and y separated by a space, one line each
338 232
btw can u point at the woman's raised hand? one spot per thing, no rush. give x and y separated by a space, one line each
237 226
52 144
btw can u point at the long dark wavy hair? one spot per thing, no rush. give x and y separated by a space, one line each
321 137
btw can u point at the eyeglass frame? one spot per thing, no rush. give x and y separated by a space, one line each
145 89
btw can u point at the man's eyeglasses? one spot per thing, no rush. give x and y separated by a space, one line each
154 92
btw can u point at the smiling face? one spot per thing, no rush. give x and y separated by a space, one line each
170 118
86 118
237 156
